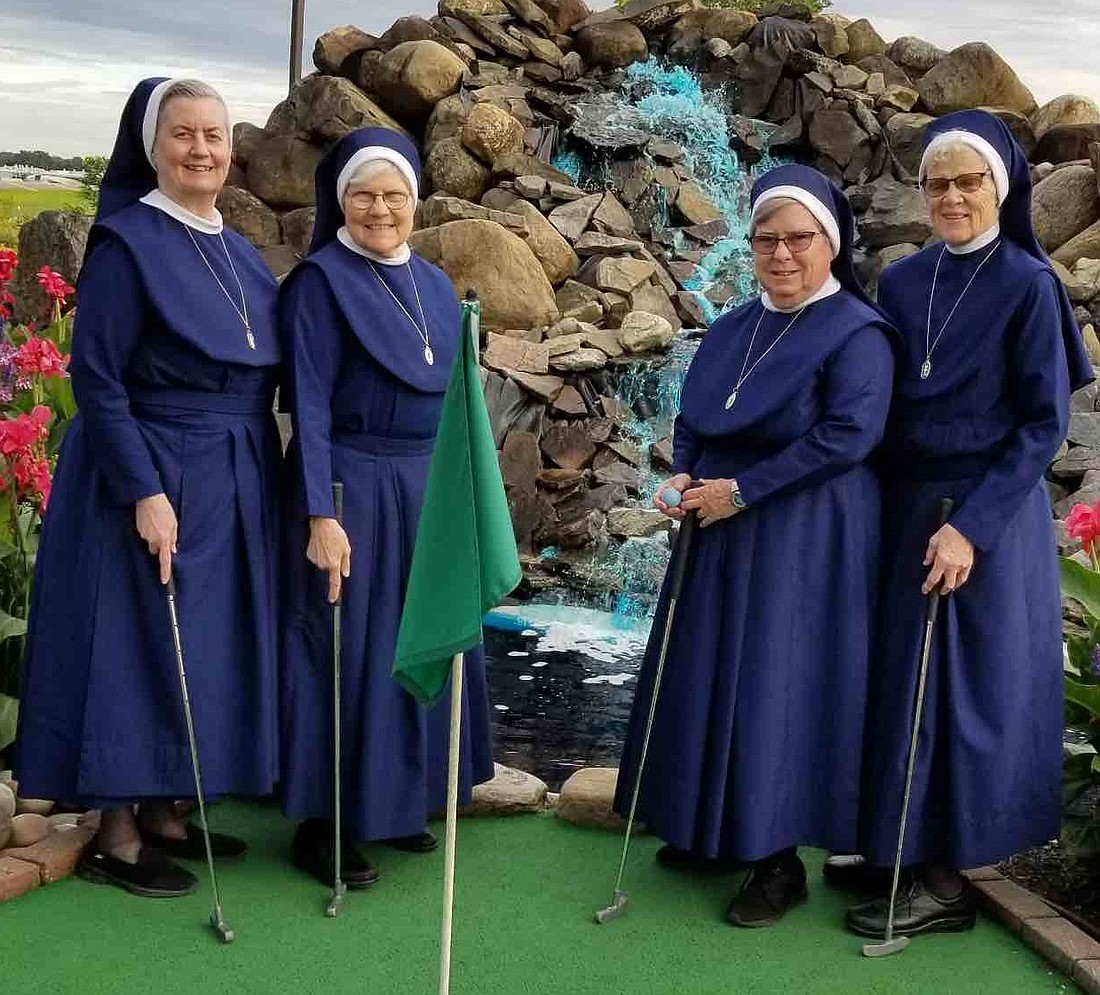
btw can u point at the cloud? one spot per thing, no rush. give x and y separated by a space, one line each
66 66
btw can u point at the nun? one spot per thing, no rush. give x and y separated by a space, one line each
370 332
990 355
756 741
169 470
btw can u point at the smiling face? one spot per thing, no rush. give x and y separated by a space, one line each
378 210
959 217
191 152
792 277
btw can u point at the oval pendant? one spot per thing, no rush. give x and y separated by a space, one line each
926 369
429 356
731 400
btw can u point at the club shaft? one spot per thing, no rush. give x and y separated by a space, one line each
337 778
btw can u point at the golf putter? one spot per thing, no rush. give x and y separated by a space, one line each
339 889
620 899
896 944
217 918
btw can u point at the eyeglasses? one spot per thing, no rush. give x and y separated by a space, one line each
937 186
766 244
395 200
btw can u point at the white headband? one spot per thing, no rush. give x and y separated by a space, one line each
374 153
821 213
978 144
149 121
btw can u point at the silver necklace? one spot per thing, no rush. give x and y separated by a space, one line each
745 374
242 311
429 356
926 366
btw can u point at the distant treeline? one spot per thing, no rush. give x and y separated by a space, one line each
38 159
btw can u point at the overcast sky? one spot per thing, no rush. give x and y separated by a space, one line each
66 66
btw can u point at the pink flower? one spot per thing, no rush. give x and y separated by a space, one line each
54 284
8 262
40 356
1083 524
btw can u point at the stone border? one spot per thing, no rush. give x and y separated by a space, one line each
51 859
1057 940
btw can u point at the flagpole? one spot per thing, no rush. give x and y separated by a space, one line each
452 826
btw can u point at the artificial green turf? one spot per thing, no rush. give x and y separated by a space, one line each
526 891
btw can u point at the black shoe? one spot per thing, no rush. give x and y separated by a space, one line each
676 859
313 852
850 872
192 847
774 887
153 876
423 842
916 910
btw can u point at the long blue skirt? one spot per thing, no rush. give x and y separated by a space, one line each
760 716
394 751
987 780
101 719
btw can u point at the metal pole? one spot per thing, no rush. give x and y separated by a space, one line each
297 17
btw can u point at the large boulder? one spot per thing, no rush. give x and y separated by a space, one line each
650 16
897 213
1064 205
490 132
333 49
297 228
1086 245
557 258
690 34
831 34
835 133
246 136
471 8
643 332
247 214
55 239
905 135
973 75
447 120
612 45
756 79
324 109
510 792
586 799
413 77
450 168
280 171
915 55
411 28
513 288
863 40
1070 108
1066 143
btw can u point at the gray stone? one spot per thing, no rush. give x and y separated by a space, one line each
637 522
692 32
863 40
897 214
280 171
558 260
647 15
611 218
1076 463
596 243
510 792
450 168
1084 429
915 55
249 216
905 133
1070 108
520 460
835 133
297 228
974 75
440 208
757 78
546 388
53 238
567 445
504 353
572 66
573 218
490 132
642 332
612 45
1086 245
246 136
28 829
1087 493
622 273
332 49
494 34
531 187
898 98
324 109
1064 205
832 38
694 206
579 360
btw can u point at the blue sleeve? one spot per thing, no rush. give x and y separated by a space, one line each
856 389
109 324
1041 390
311 326
686 447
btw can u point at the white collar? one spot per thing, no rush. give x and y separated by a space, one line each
402 257
162 202
827 289
987 237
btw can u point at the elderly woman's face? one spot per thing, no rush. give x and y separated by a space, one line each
191 149
959 216
791 277
378 212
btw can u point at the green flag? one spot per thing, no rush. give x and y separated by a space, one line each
465 559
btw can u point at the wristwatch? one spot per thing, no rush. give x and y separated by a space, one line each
735 497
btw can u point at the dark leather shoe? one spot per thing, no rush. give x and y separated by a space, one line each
423 842
850 872
153 876
773 888
192 847
917 910
313 851
684 860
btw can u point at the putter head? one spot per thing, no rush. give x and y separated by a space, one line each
615 909
886 948
336 902
221 930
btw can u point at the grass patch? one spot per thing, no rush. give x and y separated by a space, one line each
19 205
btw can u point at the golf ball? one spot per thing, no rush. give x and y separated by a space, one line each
671 497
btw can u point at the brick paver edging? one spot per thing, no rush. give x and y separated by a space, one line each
1059 941
25 868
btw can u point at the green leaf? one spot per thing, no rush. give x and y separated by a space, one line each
1081 584
1079 651
11 626
1085 695
9 717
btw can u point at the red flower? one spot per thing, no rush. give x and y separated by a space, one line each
19 434
54 284
8 262
40 356
1083 524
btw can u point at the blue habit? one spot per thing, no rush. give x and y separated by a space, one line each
982 430
366 408
172 400
760 717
